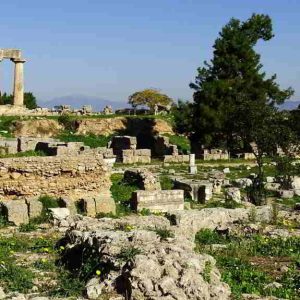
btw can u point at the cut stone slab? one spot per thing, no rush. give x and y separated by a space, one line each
105 204
233 194
89 206
59 213
15 211
35 207
198 190
286 194
158 201
68 203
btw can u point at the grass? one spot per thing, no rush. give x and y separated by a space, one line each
164 233
5 125
24 154
247 262
166 182
13 275
182 142
90 140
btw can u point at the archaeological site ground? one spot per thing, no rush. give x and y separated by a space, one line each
165 200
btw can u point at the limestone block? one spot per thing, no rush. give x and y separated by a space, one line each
233 194
68 203
16 211
286 194
35 207
158 201
59 214
89 206
105 204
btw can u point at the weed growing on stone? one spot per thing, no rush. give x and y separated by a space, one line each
164 233
207 270
127 254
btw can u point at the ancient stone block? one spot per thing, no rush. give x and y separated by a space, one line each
68 203
233 194
176 158
88 206
35 207
197 190
165 200
105 204
15 211
119 143
142 178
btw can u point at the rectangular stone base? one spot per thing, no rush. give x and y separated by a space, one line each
158 201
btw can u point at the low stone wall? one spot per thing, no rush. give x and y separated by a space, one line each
162 146
132 156
120 143
158 201
176 158
8 146
144 179
214 154
198 190
74 176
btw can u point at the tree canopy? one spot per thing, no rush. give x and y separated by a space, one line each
29 100
149 98
233 83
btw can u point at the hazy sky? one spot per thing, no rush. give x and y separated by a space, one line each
111 48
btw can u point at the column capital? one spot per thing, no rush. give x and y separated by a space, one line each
18 60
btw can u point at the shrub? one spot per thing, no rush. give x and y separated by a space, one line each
28 227
121 192
166 182
129 253
164 233
208 237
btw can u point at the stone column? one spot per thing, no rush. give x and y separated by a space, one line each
19 82
192 165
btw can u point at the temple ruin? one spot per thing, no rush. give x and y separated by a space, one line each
15 56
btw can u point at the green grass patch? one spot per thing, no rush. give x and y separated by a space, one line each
247 262
182 142
121 193
166 182
91 140
24 154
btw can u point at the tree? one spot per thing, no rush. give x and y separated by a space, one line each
29 100
232 81
182 113
149 98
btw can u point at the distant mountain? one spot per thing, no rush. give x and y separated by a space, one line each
289 105
77 101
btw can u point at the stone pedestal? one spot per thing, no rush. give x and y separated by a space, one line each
192 165
19 82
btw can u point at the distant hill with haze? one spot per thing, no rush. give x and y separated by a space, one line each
77 101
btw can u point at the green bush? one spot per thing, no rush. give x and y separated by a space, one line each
121 192
166 182
208 237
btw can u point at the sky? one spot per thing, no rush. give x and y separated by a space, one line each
112 48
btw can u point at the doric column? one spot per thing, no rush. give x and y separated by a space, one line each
19 82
